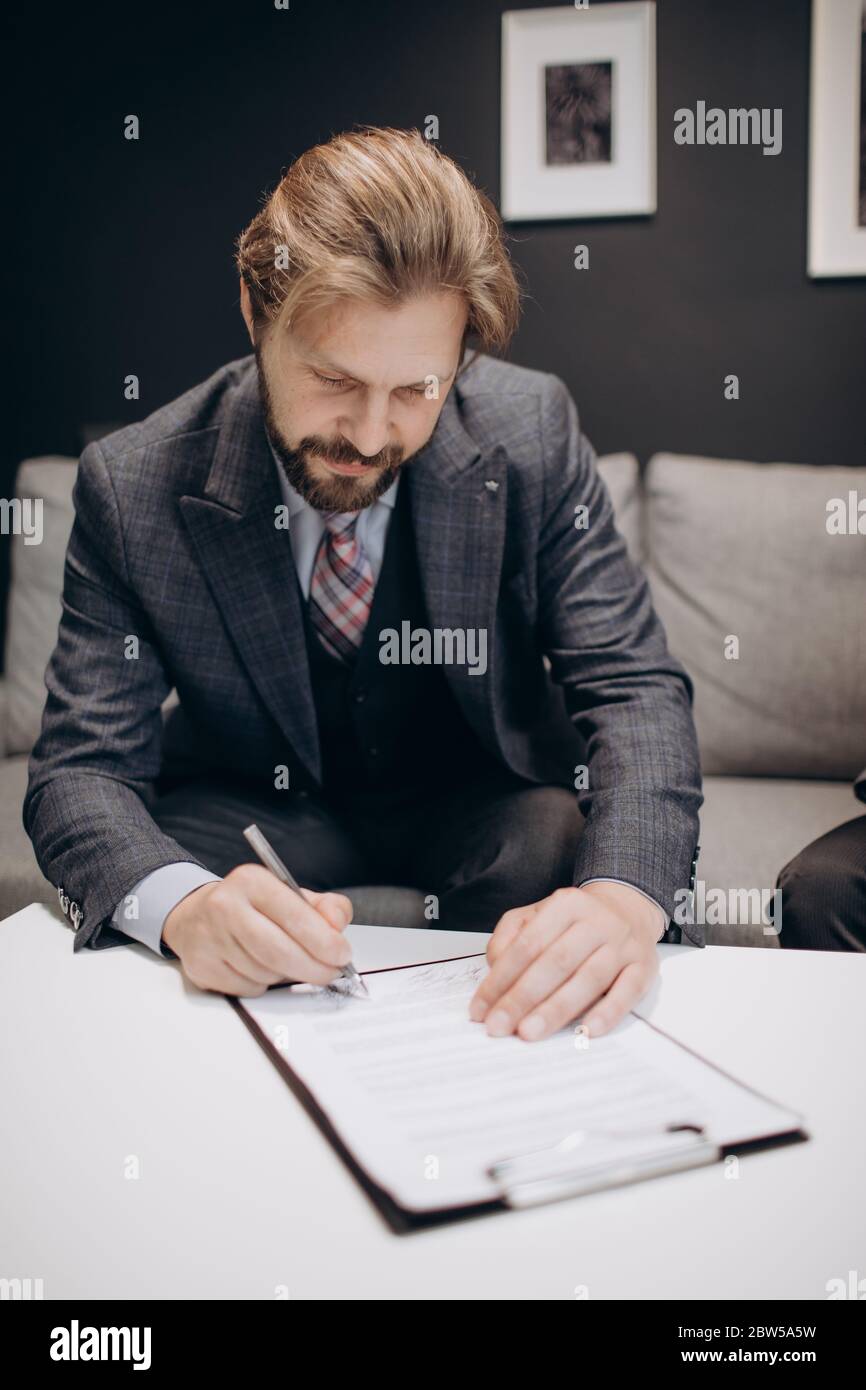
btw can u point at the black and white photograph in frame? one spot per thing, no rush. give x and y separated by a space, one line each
578 112
578 100
837 139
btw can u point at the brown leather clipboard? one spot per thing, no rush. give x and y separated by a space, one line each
400 1220
403 1221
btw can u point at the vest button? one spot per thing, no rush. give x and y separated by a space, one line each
359 696
373 751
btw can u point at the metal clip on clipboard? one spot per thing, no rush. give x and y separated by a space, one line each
588 1160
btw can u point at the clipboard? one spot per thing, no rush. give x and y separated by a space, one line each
582 1163
400 1220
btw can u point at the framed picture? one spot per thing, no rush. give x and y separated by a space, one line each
837 139
578 112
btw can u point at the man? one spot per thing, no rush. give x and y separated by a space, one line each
350 554
823 889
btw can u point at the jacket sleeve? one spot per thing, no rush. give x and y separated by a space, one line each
93 766
628 698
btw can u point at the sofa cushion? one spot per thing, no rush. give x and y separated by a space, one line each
751 827
742 550
21 879
388 906
33 611
621 475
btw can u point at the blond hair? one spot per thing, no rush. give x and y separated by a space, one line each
379 215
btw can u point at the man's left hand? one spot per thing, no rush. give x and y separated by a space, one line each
583 951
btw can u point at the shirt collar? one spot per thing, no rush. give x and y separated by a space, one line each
296 503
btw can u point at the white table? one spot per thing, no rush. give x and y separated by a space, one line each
109 1054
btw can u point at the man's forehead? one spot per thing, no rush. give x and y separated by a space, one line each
323 342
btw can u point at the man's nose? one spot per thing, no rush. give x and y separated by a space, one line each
368 429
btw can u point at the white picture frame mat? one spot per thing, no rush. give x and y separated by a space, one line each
623 34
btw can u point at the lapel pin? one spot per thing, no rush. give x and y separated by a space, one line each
491 485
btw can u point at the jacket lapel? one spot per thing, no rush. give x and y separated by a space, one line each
459 517
250 570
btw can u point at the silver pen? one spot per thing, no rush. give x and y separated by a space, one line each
271 860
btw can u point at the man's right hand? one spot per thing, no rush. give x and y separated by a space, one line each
249 930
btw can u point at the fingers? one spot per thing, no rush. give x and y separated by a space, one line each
252 931
224 979
259 949
247 952
296 915
600 977
506 930
335 907
578 953
560 958
627 990
551 919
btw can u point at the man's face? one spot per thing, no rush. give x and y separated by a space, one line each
351 394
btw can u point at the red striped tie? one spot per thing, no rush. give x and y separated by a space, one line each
341 587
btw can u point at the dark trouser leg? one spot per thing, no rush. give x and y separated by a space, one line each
482 848
824 892
208 817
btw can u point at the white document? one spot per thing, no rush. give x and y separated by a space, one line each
427 1102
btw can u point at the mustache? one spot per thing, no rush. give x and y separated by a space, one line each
344 453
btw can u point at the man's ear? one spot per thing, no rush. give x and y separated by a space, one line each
247 311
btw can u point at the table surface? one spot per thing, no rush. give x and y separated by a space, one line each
112 1059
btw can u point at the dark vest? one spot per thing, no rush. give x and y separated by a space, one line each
390 726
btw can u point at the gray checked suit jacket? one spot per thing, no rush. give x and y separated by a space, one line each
175 544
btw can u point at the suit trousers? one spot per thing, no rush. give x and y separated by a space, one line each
824 892
480 846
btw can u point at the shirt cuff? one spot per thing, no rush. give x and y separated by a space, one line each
141 914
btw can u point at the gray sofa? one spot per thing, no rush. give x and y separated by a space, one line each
762 605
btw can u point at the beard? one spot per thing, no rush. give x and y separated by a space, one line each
321 489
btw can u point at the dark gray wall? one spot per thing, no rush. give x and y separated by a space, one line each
119 254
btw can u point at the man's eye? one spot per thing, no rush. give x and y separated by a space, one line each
335 383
